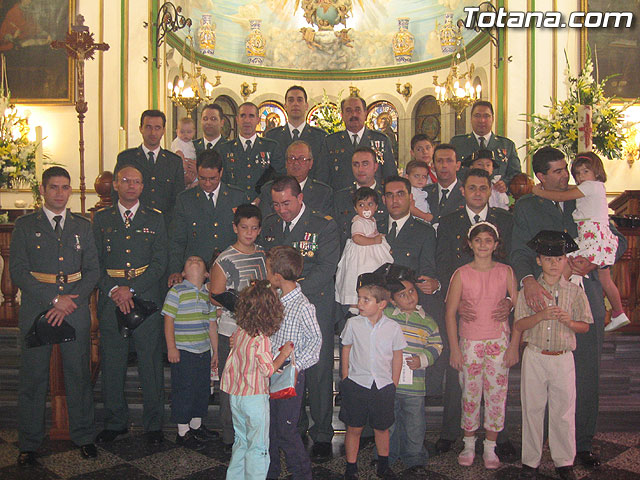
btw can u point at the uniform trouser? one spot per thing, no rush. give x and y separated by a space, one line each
319 385
548 378
114 349
283 434
226 421
250 457
34 382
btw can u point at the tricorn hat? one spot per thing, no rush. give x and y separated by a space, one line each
552 243
227 299
368 279
478 154
142 309
394 274
43 333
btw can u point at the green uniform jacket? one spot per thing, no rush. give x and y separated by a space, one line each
344 211
335 159
143 243
314 136
317 196
455 200
504 151
198 228
198 144
35 248
163 181
452 240
244 169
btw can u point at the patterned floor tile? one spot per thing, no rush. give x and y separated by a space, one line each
14 472
71 463
174 463
135 447
119 472
629 439
628 460
8 454
611 473
219 471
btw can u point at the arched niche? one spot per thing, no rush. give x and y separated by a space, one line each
230 109
272 114
428 118
383 116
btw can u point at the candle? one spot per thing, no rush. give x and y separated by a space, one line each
39 154
122 139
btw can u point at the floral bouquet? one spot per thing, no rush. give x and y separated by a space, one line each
559 128
327 116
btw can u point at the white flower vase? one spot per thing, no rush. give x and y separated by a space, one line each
585 128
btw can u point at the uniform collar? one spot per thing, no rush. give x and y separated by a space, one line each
51 214
122 209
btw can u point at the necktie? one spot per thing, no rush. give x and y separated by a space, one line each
392 233
212 199
558 206
355 141
128 215
443 199
152 160
296 134
209 145
482 145
476 218
248 146
287 228
58 227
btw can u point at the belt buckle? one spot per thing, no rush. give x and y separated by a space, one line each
129 273
62 279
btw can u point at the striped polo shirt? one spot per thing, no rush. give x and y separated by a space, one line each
423 339
192 313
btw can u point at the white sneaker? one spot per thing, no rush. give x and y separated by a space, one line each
617 322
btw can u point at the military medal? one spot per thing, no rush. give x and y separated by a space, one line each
378 147
38 234
77 246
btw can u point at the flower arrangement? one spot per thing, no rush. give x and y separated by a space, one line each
559 128
17 152
327 115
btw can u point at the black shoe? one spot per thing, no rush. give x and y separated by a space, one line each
321 450
588 459
27 459
387 474
189 440
443 446
203 434
506 451
89 450
528 473
566 473
107 436
154 437
350 476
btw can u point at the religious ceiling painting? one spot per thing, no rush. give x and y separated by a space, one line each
37 73
316 35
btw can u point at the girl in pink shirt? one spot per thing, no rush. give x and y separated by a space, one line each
258 314
483 354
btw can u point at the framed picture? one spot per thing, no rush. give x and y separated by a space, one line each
614 50
37 74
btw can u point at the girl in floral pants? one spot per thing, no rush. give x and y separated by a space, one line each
483 354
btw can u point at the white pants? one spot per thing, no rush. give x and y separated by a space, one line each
552 379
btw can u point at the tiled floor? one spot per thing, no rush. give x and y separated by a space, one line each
132 459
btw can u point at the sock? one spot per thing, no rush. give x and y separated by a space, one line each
352 468
470 443
616 313
383 463
489 447
183 428
195 423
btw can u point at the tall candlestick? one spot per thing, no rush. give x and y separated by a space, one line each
39 154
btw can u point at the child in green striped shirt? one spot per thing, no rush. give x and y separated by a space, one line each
192 342
424 347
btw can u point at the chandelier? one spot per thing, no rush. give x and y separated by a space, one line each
457 90
190 88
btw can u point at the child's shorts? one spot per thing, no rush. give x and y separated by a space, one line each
362 405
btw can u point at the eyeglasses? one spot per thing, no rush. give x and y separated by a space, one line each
300 159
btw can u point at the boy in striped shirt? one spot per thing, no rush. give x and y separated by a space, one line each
424 347
191 333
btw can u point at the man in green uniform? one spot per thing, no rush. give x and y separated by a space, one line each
296 105
203 216
250 161
364 168
55 265
212 120
132 246
162 170
504 150
317 194
315 236
335 160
